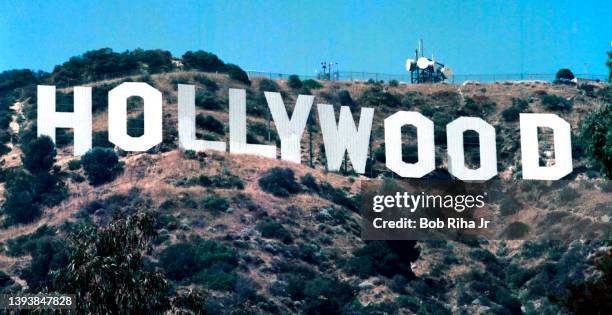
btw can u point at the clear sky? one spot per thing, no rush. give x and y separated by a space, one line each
491 37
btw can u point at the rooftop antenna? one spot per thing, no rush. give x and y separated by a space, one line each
421 47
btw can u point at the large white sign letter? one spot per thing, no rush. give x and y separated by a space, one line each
117 116
344 136
290 130
425 143
529 146
186 123
80 120
238 129
487 149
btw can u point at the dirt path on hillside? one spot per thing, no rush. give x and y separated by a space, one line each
18 110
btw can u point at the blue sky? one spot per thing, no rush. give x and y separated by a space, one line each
294 36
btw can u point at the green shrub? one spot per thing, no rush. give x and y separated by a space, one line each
38 155
345 98
387 258
101 165
19 246
478 105
512 113
556 103
4 149
483 255
398 284
294 82
409 302
311 84
596 137
25 194
309 182
210 85
210 123
207 261
279 182
100 139
48 254
7 284
337 195
508 206
236 73
564 75
375 96
203 61
206 100
266 85
74 165
214 204
269 228
394 83
223 180
326 295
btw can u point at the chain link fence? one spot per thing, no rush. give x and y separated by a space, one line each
458 78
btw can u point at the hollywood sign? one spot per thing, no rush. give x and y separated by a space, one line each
339 136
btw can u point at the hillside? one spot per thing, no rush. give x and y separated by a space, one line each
302 252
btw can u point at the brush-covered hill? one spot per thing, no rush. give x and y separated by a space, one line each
256 235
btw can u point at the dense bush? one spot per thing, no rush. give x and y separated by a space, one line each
337 195
105 63
508 206
596 137
564 75
345 98
7 284
203 61
210 123
311 84
512 113
279 182
12 79
294 82
39 155
48 254
214 204
27 192
310 182
210 85
266 85
204 261
222 180
556 103
324 295
101 165
567 194
386 258
478 105
591 296
375 96
206 100
100 139
156 60
74 165
236 73
271 229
